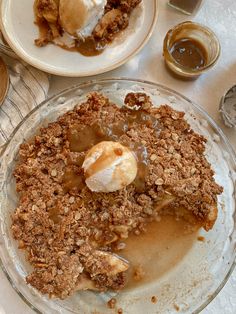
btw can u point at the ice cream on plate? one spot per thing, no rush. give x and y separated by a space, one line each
85 26
79 17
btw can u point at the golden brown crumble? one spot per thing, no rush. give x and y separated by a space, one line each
69 232
112 303
201 239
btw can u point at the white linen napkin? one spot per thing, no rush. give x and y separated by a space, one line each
28 88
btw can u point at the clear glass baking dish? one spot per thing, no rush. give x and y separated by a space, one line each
201 274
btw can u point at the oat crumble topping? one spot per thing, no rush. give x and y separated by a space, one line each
70 233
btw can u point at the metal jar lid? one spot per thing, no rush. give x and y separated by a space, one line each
228 107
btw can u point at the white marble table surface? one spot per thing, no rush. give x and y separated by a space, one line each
206 91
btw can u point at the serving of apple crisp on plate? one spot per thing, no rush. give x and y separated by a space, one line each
77 37
116 196
79 25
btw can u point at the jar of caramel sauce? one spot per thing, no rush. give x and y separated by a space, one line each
190 49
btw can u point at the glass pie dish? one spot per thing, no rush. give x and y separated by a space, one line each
192 283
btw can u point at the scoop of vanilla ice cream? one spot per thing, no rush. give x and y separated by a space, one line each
109 167
79 17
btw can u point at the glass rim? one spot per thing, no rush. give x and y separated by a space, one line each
157 85
181 68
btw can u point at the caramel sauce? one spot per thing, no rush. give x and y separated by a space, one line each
43 27
189 53
105 159
88 47
118 152
77 162
54 214
82 138
72 179
142 117
157 251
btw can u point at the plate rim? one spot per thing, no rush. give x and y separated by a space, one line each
37 64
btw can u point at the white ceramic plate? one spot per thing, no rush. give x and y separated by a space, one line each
17 24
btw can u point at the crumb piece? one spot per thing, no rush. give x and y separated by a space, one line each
201 239
159 181
54 173
111 303
118 151
121 246
120 311
71 200
153 157
138 100
139 273
176 307
154 299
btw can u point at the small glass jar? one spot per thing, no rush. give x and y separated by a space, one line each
199 34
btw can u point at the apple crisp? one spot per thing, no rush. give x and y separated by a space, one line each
115 18
70 235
